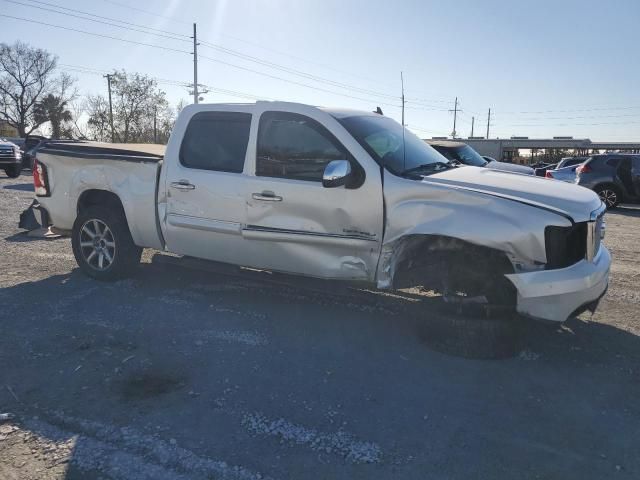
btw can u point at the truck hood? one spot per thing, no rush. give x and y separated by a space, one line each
510 167
567 199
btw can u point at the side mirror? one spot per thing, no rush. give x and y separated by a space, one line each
336 174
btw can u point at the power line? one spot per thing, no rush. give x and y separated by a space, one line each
146 11
293 71
207 44
570 110
178 83
166 33
294 82
95 34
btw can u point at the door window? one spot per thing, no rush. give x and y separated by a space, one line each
216 141
296 147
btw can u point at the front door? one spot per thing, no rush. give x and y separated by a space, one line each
205 188
293 222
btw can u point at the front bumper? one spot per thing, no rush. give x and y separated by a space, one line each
10 161
556 294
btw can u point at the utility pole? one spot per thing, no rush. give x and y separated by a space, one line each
473 121
195 65
113 135
403 102
455 116
488 123
155 127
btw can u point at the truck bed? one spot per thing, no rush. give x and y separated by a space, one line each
130 171
118 151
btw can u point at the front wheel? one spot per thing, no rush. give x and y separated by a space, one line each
13 171
103 246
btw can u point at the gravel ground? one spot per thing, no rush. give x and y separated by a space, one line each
180 374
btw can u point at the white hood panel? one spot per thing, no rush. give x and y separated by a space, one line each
572 200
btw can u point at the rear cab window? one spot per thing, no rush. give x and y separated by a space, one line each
216 141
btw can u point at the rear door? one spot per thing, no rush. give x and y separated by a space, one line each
205 186
293 222
635 176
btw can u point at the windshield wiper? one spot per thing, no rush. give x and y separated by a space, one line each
428 168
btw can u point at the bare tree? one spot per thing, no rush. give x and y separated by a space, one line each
26 75
141 112
98 123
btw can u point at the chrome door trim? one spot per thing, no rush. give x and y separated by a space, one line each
206 224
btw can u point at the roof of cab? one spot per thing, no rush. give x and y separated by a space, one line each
446 143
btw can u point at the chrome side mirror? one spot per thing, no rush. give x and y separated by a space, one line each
336 174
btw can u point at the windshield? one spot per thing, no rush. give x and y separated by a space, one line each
463 154
382 138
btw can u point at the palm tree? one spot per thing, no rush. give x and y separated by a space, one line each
54 110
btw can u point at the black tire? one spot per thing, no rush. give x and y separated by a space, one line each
125 255
611 195
13 171
469 329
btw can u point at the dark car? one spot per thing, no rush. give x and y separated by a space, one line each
31 145
541 168
10 158
462 153
615 177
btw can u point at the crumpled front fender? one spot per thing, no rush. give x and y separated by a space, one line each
515 228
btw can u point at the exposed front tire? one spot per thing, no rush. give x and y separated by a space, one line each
479 319
13 171
102 244
610 195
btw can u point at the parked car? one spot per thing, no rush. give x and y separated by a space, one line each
565 174
570 161
540 169
31 144
10 158
464 154
615 177
336 194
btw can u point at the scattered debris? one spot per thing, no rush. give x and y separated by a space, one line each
528 355
340 442
125 360
5 417
13 394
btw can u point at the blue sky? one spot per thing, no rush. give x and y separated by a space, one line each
544 67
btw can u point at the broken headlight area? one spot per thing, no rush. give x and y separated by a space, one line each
565 246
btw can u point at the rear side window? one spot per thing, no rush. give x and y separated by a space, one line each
613 162
216 141
296 147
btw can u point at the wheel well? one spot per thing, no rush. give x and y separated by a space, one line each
102 198
607 184
421 259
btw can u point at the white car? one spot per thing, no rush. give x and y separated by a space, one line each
335 194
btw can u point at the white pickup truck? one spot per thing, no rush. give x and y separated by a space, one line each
328 193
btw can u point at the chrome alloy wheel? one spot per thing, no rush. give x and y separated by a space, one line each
97 244
609 197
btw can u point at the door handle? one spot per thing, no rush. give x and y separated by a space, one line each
266 197
183 185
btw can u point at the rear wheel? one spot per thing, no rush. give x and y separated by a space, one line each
102 244
610 195
13 171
